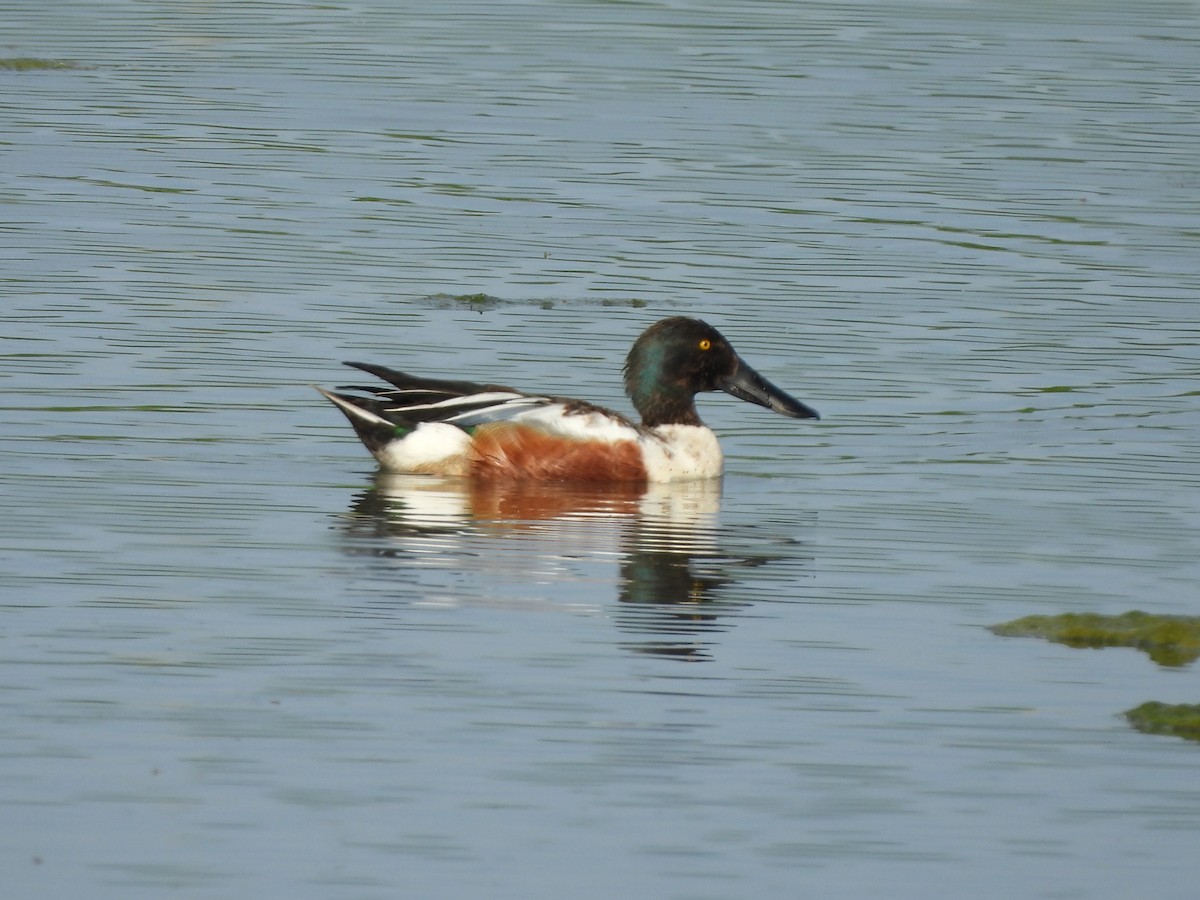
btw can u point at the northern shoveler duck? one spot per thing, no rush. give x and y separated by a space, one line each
427 425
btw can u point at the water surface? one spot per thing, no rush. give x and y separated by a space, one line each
236 661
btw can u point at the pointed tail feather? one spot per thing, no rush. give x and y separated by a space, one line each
372 429
407 382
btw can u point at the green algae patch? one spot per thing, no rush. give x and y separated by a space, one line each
1179 719
476 300
481 302
32 64
1168 640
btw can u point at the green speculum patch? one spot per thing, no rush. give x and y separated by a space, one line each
1168 640
1178 719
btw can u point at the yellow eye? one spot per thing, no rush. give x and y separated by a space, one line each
705 344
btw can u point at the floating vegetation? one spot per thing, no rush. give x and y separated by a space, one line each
621 303
1179 719
477 300
1168 640
32 64
483 302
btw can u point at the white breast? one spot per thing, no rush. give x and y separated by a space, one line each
682 453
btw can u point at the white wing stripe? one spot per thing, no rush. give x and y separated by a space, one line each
506 410
470 399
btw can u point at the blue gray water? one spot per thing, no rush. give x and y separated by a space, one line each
237 663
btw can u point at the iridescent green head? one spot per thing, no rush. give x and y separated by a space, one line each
676 358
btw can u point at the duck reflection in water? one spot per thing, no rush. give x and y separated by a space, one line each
674 584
